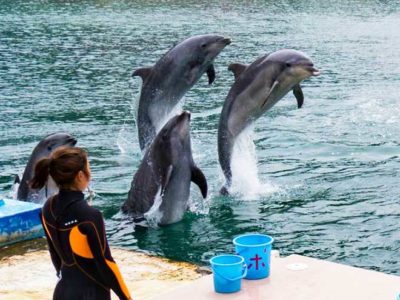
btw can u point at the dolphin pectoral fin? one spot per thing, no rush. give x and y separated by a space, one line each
271 90
237 69
165 179
298 93
199 179
142 72
211 74
17 180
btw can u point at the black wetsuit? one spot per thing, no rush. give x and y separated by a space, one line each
79 250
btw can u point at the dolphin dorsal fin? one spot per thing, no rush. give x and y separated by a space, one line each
237 69
199 179
298 93
142 72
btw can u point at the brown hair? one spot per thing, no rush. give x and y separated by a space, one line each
63 165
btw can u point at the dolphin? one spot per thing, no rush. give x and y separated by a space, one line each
257 88
162 182
45 147
165 83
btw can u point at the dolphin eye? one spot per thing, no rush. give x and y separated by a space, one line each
204 45
49 148
288 65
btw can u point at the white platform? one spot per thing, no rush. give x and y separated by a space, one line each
316 280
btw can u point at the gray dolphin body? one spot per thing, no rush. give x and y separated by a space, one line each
171 77
166 171
45 147
257 88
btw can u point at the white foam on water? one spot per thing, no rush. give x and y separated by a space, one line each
122 140
198 205
14 191
245 180
154 215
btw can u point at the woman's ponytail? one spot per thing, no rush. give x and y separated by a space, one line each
41 174
63 166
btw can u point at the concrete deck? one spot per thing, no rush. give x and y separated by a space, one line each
26 273
300 278
31 276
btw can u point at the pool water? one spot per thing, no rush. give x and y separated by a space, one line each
322 180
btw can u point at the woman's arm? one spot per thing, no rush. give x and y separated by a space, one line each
56 260
106 266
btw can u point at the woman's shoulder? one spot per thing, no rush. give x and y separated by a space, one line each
88 212
47 208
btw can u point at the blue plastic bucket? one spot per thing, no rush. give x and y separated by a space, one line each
256 251
228 272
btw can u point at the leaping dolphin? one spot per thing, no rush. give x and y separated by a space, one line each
171 77
257 88
45 147
165 173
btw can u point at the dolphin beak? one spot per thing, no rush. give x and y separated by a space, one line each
315 72
226 41
186 114
72 141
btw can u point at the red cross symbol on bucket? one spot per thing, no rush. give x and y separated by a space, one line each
256 259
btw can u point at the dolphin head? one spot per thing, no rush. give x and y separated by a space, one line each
296 65
54 141
201 50
211 45
174 137
43 149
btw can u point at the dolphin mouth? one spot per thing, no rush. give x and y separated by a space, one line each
72 141
185 114
314 71
225 41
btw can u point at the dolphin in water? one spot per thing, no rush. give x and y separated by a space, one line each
257 88
162 183
45 147
171 77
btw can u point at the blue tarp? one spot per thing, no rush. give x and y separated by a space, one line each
19 221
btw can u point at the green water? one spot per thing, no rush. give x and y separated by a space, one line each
329 173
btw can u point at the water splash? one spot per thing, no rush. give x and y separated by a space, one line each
245 180
123 142
198 205
153 216
14 191
164 117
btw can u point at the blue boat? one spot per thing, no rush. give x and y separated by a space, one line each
19 221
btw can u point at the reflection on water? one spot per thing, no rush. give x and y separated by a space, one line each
332 166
